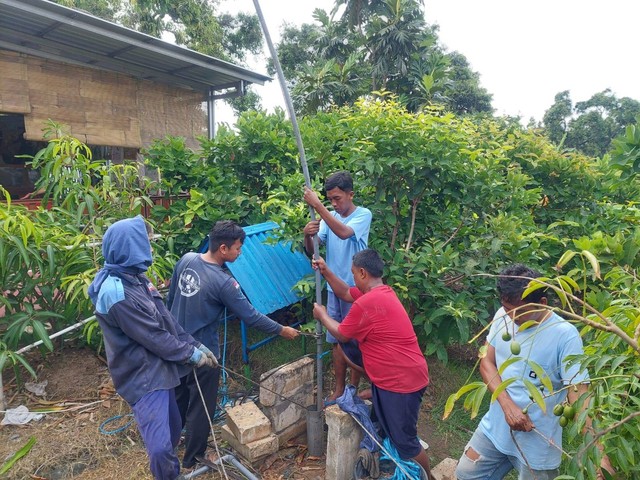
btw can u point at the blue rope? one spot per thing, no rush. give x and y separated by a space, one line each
411 467
104 431
223 390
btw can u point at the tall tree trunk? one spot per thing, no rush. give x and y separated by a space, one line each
414 210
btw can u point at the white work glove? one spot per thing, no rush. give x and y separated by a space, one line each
209 355
199 359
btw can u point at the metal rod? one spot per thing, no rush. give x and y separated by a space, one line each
227 458
307 180
211 124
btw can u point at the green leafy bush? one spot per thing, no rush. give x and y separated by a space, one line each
450 197
48 257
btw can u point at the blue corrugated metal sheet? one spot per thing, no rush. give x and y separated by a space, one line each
268 271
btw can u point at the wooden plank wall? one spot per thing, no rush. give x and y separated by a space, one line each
101 108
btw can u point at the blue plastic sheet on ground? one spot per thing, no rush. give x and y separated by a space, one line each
409 466
354 405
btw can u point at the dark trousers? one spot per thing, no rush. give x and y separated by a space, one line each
397 414
158 420
192 412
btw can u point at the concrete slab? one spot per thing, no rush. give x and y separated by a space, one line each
445 470
295 430
248 423
283 414
252 451
285 380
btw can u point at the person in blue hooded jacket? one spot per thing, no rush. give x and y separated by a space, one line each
144 345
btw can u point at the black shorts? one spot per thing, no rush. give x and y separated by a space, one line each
398 417
352 352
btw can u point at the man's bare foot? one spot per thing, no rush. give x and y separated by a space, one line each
211 456
365 394
331 399
209 459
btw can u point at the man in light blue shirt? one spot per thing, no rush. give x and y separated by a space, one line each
505 438
345 232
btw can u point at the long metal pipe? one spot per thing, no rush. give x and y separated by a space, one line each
227 458
211 114
307 180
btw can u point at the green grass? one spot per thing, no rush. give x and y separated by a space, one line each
447 438
271 355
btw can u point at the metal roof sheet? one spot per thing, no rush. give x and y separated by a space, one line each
49 30
267 271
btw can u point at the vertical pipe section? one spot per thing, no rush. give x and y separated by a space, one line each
211 114
315 450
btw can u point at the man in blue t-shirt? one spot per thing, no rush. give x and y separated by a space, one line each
344 232
505 439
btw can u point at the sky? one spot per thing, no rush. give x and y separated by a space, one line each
525 51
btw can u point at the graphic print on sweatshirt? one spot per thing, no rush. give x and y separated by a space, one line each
189 282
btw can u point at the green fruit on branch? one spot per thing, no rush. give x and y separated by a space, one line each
515 347
506 336
569 412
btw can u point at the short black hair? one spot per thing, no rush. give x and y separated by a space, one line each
225 232
341 180
511 289
370 260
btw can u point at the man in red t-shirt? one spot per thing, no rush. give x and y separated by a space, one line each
391 356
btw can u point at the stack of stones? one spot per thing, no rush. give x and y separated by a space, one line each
256 433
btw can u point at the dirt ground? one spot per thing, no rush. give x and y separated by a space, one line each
69 443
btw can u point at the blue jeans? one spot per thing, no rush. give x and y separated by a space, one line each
158 420
492 464
337 309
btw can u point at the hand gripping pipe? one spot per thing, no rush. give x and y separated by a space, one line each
314 418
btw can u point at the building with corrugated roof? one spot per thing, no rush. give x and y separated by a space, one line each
116 89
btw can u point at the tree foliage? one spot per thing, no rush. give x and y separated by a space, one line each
371 46
451 197
49 256
589 126
195 24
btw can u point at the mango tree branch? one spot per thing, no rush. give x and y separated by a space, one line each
601 433
607 325
414 211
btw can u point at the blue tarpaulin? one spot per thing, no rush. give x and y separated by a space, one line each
267 271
